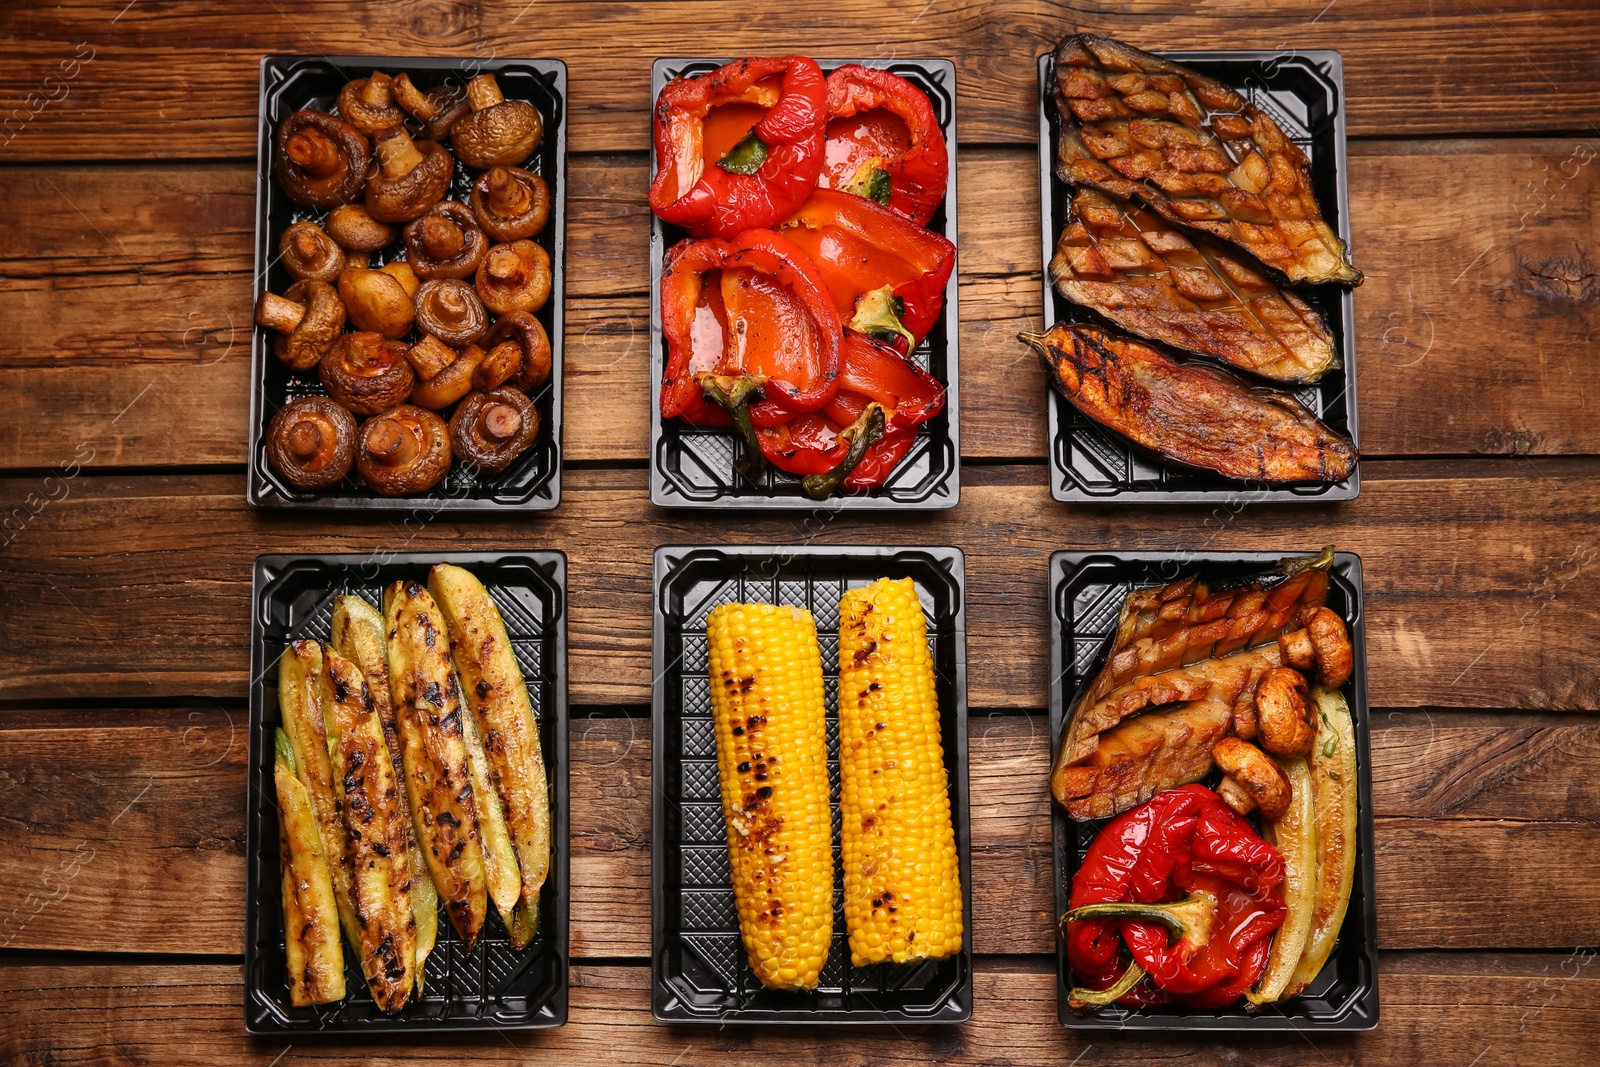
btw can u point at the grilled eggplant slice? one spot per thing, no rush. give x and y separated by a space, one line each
310 911
429 714
357 634
1196 415
498 698
1137 759
1136 270
1196 151
375 822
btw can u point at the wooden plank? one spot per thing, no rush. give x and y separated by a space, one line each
124 831
1479 614
1486 1010
96 83
1477 345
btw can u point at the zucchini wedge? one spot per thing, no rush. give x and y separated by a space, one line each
1296 837
429 716
497 696
1333 785
375 822
303 699
357 634
310 914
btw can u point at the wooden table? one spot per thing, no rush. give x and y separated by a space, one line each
127 179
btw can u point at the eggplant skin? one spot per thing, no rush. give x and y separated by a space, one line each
1192 414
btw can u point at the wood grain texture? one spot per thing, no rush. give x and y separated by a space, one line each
179 81
1490 1010
100 852
1472 328
1486 612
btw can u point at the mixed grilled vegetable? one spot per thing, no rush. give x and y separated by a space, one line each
1179 900
809 276
398 788
902 882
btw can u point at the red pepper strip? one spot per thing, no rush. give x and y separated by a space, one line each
887 275
694 323
762 178
1225 992
872 371
902 164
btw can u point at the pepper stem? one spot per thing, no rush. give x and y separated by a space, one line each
746 157
1190 918
862 434
871 181
733 393
1088 1001
878 316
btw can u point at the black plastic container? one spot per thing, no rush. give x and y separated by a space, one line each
1304 92
493 987
698 961
1086 594
288 83
692 467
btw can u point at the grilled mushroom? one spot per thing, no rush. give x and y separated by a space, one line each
446 242
307 252
1284 717
312 442
499 131
514 277
412 177
368 104
308 318
501 364
511 203
489 430
1322 643
451 311
437 109
321 160
429 356
404 451
377 301
530 337
1254 779
367 373
353 226
401 272
450 384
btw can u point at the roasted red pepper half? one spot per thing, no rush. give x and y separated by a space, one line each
741 147
884 142
887 275
1192 892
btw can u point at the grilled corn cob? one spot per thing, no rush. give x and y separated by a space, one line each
310 915
357 634
772 752
902 876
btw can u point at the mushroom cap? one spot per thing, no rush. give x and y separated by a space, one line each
1330 641
311 442
406 196
338 172
450 384
464 242
308 253
318 329
514 277
368 104
490 430
510 184
367 373
354 228
449 309
376 301
1284 717
529 334
1257 773
504 133
403 451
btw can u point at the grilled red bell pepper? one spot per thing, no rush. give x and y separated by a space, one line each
741 147
887 275
884 142
1190 890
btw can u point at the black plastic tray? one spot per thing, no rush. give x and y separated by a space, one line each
493 987
533 481
1304 92
693 468
1086 594
698 961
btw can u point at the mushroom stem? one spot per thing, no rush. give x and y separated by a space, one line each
506 195
376 90
306 245
314 153
397 154
500 422
442 238
391 445
430 356
506 266
483 92
276 313
305 440
414 100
